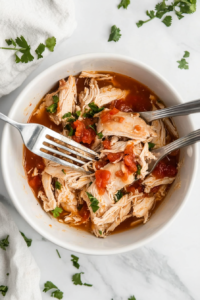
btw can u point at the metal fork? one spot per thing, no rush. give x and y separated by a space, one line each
160 153
36 138
172 111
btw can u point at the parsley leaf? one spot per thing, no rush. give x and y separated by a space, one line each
150 14
100 232
4 243
25 49
114 34
124 4
187 54
58 185
57 211
11 42
183 64
78 113
57 294
50 43
75 261
76 278
63 171
67 115
118 195
3 289
70 129
53 107
94 109
151 145
48 286
138 169
132 298
58 253
94 202
28 241
40 49
100 135
167 21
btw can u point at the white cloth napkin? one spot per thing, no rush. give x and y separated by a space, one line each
24 275
36 20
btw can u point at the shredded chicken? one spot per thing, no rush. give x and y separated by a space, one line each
152 181
49 201
141 206
97 76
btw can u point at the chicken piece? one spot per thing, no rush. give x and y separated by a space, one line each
119 212
97 76
142 206
66 198
151 181
117 147
35 172
143 159
108 94
73 220
161 192
132 127
40 110
67 99
159 128
89 95
49 203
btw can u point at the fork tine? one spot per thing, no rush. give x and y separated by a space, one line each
66 140
60 161
50 142
62 154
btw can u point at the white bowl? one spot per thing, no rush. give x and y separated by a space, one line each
21 194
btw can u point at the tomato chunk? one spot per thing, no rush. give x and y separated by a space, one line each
102 179
167 167
134 103
112 157
135 186
130 163
83 134
106 116
101 163
106 144
35 182
122 175
129 149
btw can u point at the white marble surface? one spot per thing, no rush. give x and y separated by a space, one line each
168 267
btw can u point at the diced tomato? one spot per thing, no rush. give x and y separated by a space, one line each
129 149
130 163
167 167
122 175
112 157
137 127
106 144
134 103
102 179
135 186
101 163
83 134
106 116
35 182
84 212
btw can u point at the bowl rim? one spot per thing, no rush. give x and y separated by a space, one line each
14 199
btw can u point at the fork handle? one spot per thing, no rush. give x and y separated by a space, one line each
187 140
10 121
174 111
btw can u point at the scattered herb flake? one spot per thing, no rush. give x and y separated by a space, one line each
87 284
138 169
57 294
50 43
53 107
76 279
57 211
94 109
100 135
124 4
7 274
183 64
4 243
58 185
94 202
75 261
63 171
114 34
167 21
70 129
67 115
28 241
58 253
187 54
151 145
40 49
132 298
100 232
118 195
11 42
3 289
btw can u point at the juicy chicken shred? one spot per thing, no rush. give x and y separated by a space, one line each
126 137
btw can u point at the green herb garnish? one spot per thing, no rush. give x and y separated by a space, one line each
132 298
58 185
3 289
58 253
100 135
124 4
28 241
4 243
11 42
183 64
57 211
63 171
56 294
167 21
70 129
67 115
94 202
151 145
75 261
114 34
118 195
50 43
100 232
138 170
40 49
53 107
76 279
94 109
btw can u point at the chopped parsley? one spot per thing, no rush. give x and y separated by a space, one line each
100 232
7 274
138 170
180 7
58 185
94 202
57 211
3 289
70 129
58 253
94 109
63 171
183 64
151 145
75 261
67 115
124 4
4 243
53 107
76 279
56 294
114 34
28 241
100 134
25 48
132 298
118 195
